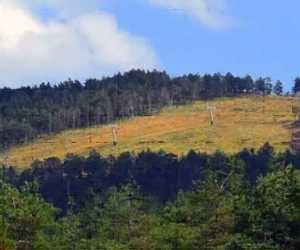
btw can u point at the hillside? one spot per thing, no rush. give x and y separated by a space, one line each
26 113
239 123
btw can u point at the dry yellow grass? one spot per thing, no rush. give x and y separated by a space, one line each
239 123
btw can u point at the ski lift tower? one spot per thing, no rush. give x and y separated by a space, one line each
211 109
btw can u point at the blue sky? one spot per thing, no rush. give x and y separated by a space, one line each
263 40
259 38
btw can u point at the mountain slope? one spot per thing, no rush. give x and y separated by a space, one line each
239 123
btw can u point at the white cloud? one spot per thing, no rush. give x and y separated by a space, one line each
83 45
14 22
208 12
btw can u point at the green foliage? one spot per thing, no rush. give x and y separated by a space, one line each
223 211
25 219
275 212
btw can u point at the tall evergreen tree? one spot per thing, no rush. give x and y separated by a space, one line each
296 88
278 88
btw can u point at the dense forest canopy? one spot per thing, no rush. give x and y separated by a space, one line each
154 201
158 174
28 112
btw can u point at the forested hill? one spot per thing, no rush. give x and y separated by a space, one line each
28 112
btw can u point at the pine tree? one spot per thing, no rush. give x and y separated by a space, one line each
278 88
296 87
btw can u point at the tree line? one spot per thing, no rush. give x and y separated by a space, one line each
158 201
28 112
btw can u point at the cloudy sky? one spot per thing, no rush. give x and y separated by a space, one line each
52 40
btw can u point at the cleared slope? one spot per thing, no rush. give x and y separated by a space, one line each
239 123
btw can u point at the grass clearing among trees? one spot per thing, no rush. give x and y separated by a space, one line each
245 122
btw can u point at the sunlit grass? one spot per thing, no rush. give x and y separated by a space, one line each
239 123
